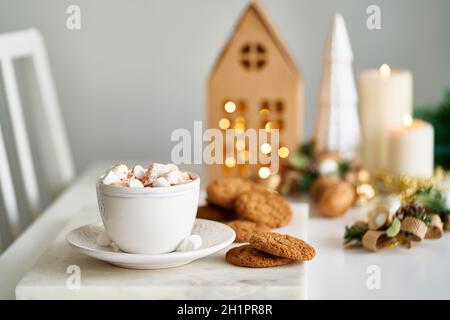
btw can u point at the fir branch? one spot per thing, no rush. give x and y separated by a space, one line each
343 168
305 181
307 148
415 210
426 218
432 199
354 233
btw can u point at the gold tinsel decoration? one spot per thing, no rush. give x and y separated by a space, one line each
406 186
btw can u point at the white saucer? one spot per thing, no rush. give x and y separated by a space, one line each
215 236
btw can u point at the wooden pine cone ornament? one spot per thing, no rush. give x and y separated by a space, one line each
336 199
411 209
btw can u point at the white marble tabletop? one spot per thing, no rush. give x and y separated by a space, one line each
208 278
396 273
417 273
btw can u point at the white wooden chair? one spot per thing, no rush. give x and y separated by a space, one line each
21 191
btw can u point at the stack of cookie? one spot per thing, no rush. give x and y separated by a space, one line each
245 206
252 212
270 249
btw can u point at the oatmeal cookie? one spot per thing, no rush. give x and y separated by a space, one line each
212 212
282 245
246 256
222 192
265 207
244 229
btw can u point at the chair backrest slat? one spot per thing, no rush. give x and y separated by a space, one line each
58 164
9 201
60 168
28 172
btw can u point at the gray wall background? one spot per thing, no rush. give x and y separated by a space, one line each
137 69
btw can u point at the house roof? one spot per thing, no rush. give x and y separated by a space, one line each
260 13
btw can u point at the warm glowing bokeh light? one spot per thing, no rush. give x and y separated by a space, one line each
224 123
240 145
230 162
268 126
264 172
243 155
230 106
239 125
283 152
366 190
266 148
240 120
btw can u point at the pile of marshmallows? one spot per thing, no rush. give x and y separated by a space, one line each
156 175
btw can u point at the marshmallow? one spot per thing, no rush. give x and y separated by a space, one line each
135 183
172 167
173 177
103 239
139 172
120 170
157 175
185 176
193 242
111 178
161 182
157 170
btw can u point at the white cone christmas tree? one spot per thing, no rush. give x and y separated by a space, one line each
337 125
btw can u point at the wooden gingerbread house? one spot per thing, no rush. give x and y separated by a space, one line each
255 84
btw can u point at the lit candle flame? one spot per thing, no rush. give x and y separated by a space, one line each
407 120
385 71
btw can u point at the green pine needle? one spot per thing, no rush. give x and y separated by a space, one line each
354 233
432 199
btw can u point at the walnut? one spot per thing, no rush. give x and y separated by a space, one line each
337 199
321 184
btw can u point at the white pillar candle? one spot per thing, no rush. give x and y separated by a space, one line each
411 149
385 95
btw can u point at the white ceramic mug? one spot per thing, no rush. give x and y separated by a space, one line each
148 220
